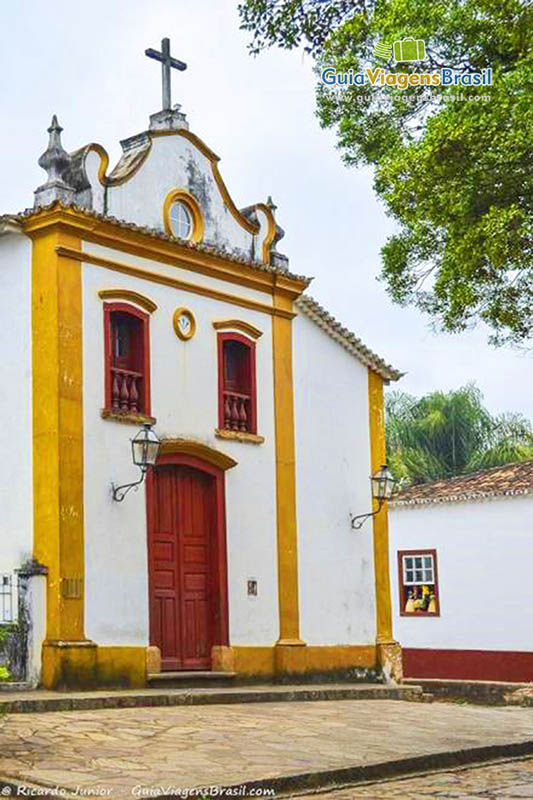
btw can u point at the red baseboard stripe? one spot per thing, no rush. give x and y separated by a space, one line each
473 665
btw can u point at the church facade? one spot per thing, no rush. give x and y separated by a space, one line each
144 296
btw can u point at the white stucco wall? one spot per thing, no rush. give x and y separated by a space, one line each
336 568
15 403
484 571
185 403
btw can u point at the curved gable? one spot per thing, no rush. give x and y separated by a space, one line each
156 164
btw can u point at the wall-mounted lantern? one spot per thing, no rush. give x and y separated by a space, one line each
383 485
144 449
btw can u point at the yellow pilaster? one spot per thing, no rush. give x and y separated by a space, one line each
289 615
58 448
388 651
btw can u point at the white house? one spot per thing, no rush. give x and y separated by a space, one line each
144 295
460 559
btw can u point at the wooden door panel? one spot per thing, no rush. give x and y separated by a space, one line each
195 585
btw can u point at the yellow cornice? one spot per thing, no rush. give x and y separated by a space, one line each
200 450
109 233
166 280
238 325
129 296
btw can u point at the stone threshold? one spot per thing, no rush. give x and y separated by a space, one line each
40 701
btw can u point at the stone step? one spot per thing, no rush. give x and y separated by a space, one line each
39 701
478 692
189 679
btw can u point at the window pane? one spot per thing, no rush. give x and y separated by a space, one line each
126 382
418 575
408 561
428 562
237 367
181 220
428 575
409 575
418 562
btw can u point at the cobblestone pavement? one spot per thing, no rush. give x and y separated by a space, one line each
505 780
182 747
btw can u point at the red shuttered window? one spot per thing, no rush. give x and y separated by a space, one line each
127 359
237 407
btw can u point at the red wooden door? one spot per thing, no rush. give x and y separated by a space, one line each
182 571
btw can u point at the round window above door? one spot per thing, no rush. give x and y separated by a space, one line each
181 220
182 216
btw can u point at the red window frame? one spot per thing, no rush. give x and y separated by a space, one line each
402 586
250 345
145 397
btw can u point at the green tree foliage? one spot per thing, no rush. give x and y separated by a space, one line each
454 175
445 434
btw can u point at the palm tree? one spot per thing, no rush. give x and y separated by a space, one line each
445 434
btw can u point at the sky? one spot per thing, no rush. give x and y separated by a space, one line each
86 63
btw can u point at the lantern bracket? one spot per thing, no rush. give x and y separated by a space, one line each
359 520
120 492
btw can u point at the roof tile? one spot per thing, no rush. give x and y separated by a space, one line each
506 480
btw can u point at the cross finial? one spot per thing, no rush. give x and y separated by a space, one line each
167 62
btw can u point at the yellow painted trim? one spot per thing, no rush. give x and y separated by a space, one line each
108 233
103 177
121 666
130 297
126 417
271 232
183 312
190 202
238 325
166 280
58 538
94 147
264 661
239 436
287 542
85 665
380 521
190 447
68 665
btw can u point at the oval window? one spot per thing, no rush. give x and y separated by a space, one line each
181 220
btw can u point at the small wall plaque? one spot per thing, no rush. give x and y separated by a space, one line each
251 587
184 324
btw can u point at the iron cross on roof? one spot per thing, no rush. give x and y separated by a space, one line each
166 63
